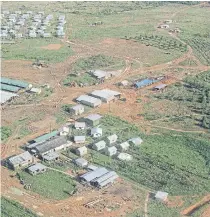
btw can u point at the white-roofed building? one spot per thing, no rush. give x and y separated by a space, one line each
79 125
112 139
89 100
81 162
110 151
125 157
161 195
135 141
103 95
79 139
22 160
6 96
96 132
93 119
99 145
36 169
81 151
77 109
123 146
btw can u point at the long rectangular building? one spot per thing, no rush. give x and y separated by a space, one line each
89 100
6 96
14 82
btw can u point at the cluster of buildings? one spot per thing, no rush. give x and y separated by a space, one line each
9 89
95 98
29 24
165 25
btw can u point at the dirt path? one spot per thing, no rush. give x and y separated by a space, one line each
146 205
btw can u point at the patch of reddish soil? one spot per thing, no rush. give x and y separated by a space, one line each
175 202
52 47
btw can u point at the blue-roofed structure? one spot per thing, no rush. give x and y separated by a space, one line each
145 82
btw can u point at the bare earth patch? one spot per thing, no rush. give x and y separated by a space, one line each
52 47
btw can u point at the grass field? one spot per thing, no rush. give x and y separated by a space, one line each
31 49
176 163
10 208
52 184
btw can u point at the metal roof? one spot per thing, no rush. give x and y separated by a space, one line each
161 195
9 88
81 149
88 99
99 145
124 156
92 167
37 166
112 92
18 159
94 117
111 149
99 73
124 145
160 86
89 176
46 136
96 130
6 96
50 156
144 82
102 94
104 177
79 124
81 161
109 180
14 82
79 138
112 137
136 141
77 107
51 144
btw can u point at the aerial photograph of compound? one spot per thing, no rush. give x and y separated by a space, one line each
105 108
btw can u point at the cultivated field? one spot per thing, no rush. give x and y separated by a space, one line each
174 122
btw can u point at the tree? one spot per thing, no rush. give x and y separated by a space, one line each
205 123
6 132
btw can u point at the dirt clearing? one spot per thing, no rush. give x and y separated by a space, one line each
52 47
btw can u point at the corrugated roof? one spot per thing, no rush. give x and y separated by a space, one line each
81 161
9 88
96 130
50 156
18 159
79 124
37 166
77 107
6 96
51 144
108 181
160 86
89 176
93 117
88 99
14 82
145 82
79 138
112 92
136 141
102 94
46 136
104 177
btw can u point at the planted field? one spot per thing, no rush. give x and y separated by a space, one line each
161 42
10 208
52 184
201 47
176 163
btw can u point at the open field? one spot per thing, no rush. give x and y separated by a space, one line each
11 208
52 184
173 123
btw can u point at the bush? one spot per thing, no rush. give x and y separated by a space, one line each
6 132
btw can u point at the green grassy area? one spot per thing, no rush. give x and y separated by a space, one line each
10 208
80 67
158 209
5 133
51 184
176 163
192 98
188 62
31 49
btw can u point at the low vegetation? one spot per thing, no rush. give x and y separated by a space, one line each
5 132
51 184
78 73
10 208
31 49
201 47
177 163
161 42
194 93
